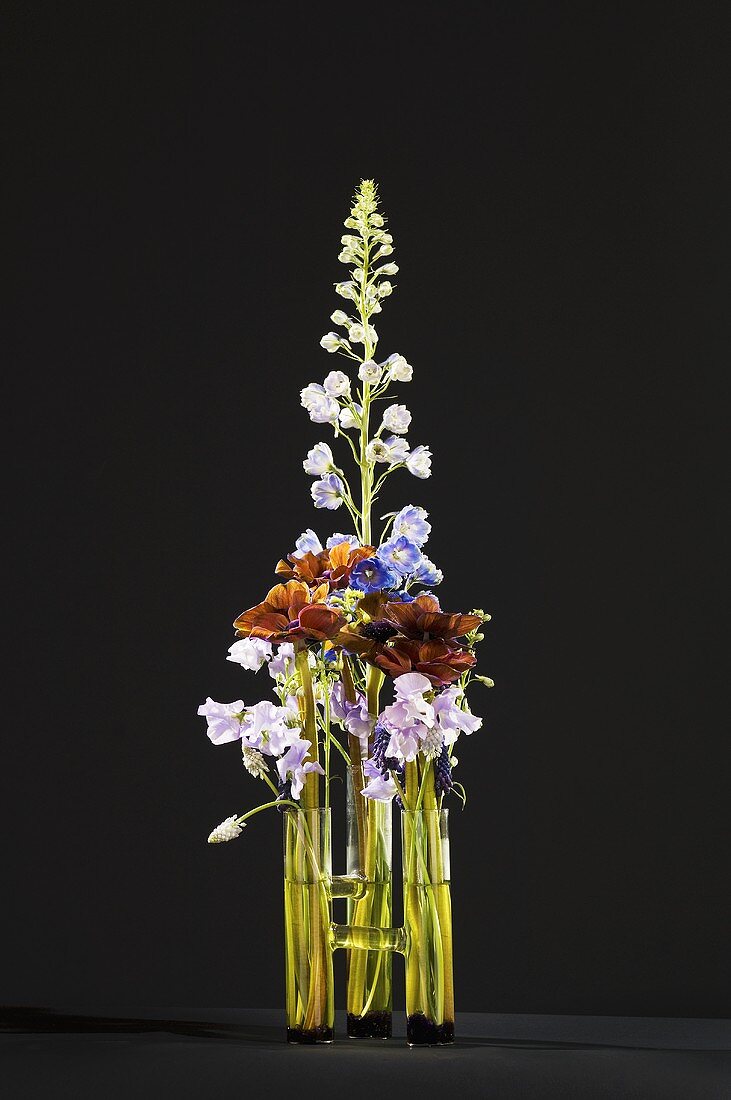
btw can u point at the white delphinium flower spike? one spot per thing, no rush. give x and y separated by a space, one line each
227 830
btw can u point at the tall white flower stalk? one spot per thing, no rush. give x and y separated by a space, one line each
365 249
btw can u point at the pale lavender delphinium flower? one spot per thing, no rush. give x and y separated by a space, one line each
419 462
307 543
411 521
319 460
328 492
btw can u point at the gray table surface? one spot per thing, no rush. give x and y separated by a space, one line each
220 1053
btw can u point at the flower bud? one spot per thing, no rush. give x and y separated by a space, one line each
330 341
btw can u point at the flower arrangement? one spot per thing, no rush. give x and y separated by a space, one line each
349 621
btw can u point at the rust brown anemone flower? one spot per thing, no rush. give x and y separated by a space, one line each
310 568
366 635
423 620
436 660
343 558
290 612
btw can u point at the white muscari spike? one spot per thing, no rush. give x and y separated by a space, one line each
431 744
227 830
253 761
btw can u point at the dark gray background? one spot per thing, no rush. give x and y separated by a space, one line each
556 180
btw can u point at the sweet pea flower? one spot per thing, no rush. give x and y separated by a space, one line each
291 767
379 787
403 555
328 492
319 460
411 522
338 703
224 720
283 663
250 653
451 717
359 722
322 408
372 575
410 688
370 372
353 715
266 728
396 419
337 383
419 462
397 367
405 741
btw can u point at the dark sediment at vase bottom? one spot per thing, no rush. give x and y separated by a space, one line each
421 1031
311 1035
373 1025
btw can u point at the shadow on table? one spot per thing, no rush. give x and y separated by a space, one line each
265 1029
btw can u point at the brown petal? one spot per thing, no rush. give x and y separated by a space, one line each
319 622
392 662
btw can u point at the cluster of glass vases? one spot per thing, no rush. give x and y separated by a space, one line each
311 936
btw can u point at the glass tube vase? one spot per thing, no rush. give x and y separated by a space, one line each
310 997
369 852
428 926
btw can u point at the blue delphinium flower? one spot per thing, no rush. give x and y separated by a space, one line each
402 555
426 572
411 521
373 574
337 538
401 597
